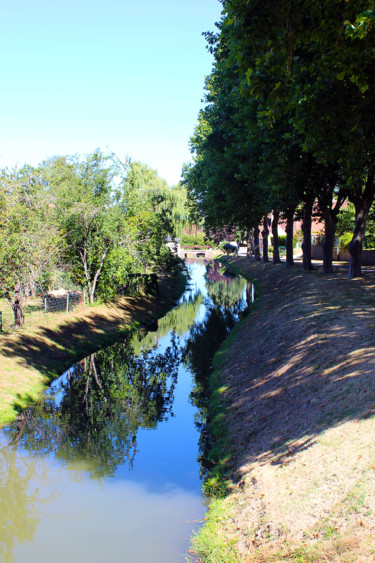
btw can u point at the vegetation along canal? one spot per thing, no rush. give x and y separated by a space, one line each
105 467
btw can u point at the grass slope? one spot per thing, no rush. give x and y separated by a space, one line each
32 357
296 423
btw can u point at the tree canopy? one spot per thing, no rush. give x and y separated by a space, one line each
288 118
87 221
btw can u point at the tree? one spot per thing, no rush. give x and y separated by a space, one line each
29 238
84 193
222 180
146 203
112 217
311 65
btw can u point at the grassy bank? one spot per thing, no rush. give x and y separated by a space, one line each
294 415
32 357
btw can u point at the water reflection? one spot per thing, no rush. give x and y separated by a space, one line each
94 412
225 287
17 501
109 455
231 297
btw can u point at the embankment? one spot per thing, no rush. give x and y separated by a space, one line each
32 357
294 389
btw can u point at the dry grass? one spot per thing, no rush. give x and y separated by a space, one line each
300 397
48 344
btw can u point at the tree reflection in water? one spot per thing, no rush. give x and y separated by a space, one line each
20 498
225 287
231 296
179 320
91 417
99 407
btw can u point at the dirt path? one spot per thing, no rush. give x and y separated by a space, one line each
300 414
32 357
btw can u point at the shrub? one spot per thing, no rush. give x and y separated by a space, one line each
228 248
198 239
345 239
282 240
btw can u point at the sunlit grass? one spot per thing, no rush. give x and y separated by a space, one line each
47 345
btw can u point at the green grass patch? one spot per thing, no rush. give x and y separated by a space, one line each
211 543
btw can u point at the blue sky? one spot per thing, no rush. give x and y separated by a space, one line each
122 75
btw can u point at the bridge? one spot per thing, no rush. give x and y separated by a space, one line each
189 252
192 253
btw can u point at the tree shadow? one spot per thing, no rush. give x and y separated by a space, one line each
52 349
302 363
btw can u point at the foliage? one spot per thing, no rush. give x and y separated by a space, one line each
345 239
30 240
289 115
199 238
345 227
282 240
84 221
228 248
148 205
103 402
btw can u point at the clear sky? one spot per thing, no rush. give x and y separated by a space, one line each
125 76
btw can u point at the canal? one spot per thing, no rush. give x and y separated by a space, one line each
105 468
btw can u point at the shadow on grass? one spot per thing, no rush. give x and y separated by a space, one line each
53 350
302 362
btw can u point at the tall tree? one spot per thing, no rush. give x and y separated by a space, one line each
29 238
306 59
85 195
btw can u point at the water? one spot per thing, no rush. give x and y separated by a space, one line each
105 468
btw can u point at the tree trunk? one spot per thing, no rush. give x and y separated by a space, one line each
356 244
275 237
330 223
289 238
249 243
91 285
256 242
306 229
249 293
265 234
362 203
16 304
19 319
330 207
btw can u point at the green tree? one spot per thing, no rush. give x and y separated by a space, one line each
90 217
29 238
147 203
111 215
305 65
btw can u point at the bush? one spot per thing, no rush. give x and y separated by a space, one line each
345 239
369 242
199 239
282 240
228 248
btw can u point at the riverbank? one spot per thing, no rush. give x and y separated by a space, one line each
32 357
294 390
